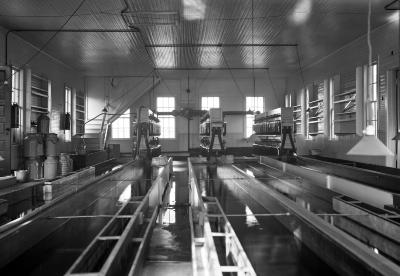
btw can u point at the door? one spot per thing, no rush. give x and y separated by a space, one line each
5 112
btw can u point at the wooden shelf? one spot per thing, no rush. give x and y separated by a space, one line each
39 94
40 77
40 89
267 135
315 133
344 120
345 113
39 107
344 101
39 111
315 101
348 92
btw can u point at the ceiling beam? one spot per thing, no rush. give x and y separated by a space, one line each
131 30
220 45
204 69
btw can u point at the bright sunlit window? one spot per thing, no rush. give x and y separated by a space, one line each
167 122
331 105
253 104
372 119
68 107
209 102
121 127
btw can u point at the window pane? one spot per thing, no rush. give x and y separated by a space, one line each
120 128
165 104
253 104
209 102
167 122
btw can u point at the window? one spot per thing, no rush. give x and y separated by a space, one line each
80 114
253 104
167 122
288 100
332 135
68 107
372 110
121 127
209 102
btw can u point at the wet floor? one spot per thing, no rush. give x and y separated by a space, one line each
271 247
170 247
50 244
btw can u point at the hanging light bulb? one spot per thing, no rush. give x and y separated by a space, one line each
370 145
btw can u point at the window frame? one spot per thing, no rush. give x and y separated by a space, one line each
208 102
372 97
68 109
249 117
167 108
126 116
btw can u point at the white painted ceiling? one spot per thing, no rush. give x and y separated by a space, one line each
317 26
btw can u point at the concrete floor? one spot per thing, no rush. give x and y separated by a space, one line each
170 250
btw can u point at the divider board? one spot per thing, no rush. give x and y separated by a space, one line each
204 254
120 246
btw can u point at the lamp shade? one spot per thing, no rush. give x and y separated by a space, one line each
370 145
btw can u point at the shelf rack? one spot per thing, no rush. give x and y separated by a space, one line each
297 119
268 129
345 105
316 107
80 111
40 87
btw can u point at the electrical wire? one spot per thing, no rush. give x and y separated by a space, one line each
300 67
204 79
136 86
231 73
46 43
272 86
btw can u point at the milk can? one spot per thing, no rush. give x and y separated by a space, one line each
43 124
51 144
65 163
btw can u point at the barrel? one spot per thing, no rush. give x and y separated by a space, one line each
51 144
50 167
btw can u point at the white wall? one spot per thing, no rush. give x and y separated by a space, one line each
385 49
223 86
60 74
